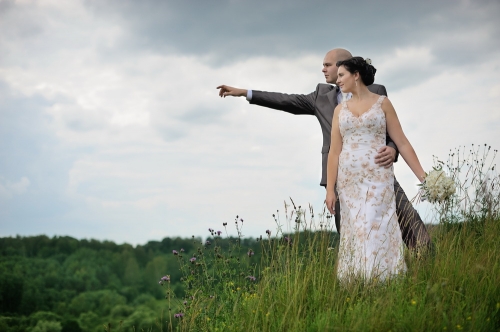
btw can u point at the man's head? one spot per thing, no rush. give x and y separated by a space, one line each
330 63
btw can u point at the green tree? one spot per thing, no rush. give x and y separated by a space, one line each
47 326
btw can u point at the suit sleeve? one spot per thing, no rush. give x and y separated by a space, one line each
291 103
389 142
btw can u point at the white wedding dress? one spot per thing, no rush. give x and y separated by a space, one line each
371 246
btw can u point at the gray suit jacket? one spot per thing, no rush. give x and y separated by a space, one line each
319 103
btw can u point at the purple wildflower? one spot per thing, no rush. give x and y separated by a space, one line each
179 315
268 232
175 252
219 233
250 253
185 302
207 243
165 278
251 278
288 240
192 260
182 249
210 230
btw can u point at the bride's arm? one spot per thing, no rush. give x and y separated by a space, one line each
396 132
333 162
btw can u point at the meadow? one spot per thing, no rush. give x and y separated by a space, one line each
455 285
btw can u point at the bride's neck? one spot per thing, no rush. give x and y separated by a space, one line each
360 93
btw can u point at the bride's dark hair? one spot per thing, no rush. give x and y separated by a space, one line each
359 65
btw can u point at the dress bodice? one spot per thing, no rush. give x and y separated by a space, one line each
366 131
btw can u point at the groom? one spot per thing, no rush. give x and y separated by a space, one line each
321 104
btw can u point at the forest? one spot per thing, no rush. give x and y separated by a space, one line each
66 284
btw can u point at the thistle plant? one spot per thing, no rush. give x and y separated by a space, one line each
477 182
216 276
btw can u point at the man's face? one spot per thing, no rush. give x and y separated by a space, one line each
330 67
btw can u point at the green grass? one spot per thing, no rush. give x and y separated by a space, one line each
453 287
456 287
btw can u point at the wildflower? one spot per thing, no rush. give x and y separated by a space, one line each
211 296
160 282
210 230
459 327
175 252
219 233
224 224
250 253
413 302
182 250
185 302
251 278
288 240
165 278
192 260
268 232
179 315
207 243
348 299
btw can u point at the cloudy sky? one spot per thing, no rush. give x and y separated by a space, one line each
111 128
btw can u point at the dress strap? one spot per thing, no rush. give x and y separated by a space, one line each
380 100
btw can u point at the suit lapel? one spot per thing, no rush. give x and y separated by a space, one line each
332 96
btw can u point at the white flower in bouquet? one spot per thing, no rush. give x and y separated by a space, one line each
437 186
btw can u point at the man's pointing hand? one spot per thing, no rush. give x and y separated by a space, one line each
226 90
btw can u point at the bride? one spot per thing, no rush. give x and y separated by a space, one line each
370 243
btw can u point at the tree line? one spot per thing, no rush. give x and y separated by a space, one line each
79 285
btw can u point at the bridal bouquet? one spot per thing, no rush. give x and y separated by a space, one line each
437 186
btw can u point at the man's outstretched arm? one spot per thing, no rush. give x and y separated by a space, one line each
291 103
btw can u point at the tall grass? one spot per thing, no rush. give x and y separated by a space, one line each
454 287
457 287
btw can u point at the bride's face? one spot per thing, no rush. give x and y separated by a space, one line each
345 80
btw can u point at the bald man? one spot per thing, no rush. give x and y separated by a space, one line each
321 104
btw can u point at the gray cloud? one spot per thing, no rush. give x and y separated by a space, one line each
110 109
231 30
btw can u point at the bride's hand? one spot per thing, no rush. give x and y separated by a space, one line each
330 200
